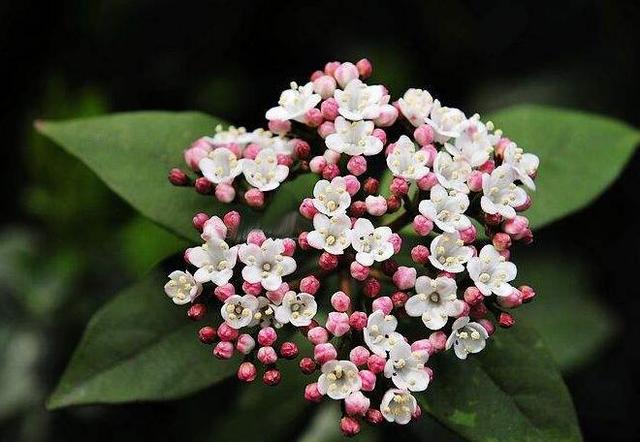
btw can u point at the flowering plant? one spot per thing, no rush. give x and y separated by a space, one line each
374 241
446 173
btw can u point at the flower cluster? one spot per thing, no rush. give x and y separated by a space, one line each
403 188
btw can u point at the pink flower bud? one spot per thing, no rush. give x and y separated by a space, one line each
340 302
311 393
331 156
371 287
349 426
330 171
505 320
478 311
468 235
492 219
307 365
267 336
380 134
288 350
423 134
383 303
232 221
214 228
390 266
524 206
513 300
276 295
245 344
207 334
316 74
388 116
280 127
193 155
345 73
178 177
501 241
252 288
324 353
438 341
374 417
516 227
357 165
271 377
417 413
223 350
331 67
422 225
309 284
225 193
285 159
325 129
324 86
487 325
359 355
399 299
313 117
198 221
203 186
267 355
358 320
196 312
376 205
358 271
473 296
327 261
475 181
352 184
427 181
527 293
318 335
289 247
423 345
399 186
487 167
302 241
356 404
375 364
307 209
365 69
396 242
338 323
317 164
226 333
357 209
247 372
256 237
405 277
254 198
329 109
420 254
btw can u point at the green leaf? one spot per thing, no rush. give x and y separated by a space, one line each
133 152
580 154
566 301
140 346
510 391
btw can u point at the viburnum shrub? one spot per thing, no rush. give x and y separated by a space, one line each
394 175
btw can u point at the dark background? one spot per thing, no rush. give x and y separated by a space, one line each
231 59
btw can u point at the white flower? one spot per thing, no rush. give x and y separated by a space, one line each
451 173
445 121
449 253
358 101
500 194
446 209
339 379
298 309
331 198
220 166
398 406
406 368
294 103
264 172
405 162
232 135
524 164
265 315
354 138
182 288
372 244
466 337
331 234
238 311
491 273
266 264
435 301
415 105
474 143
215 261
380 334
